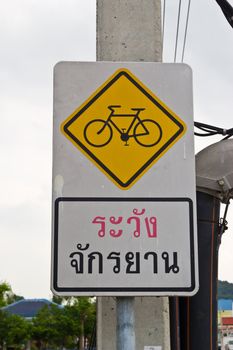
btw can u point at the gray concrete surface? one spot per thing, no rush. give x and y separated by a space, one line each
151 323
131 31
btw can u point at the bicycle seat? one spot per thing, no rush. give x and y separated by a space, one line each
112 107
138 109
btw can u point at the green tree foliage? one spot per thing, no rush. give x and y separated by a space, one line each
64 327
3 328
12 298
5 291
225 290
52 327
19 330
15 331
57 299
83 311
6 295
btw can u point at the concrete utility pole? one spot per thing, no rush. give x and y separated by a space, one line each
130 31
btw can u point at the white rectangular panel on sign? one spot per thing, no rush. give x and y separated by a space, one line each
124 209
124 245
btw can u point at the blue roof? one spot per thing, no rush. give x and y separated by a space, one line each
28 308
225 304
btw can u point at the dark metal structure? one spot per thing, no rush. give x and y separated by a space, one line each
193 320
227 10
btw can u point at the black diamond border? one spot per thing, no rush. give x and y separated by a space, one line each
91 155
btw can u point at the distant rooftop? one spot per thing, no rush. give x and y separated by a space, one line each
227 321
27 308
225 304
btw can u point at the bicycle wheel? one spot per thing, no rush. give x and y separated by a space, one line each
97 133
147 133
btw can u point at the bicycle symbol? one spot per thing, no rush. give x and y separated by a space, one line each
146 132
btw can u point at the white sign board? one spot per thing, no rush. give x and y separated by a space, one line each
124 219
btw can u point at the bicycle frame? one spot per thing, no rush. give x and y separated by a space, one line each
135 117
137 128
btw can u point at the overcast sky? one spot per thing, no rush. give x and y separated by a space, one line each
34 36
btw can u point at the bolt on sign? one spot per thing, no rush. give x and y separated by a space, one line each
124 219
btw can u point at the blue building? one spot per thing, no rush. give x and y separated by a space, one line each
28 308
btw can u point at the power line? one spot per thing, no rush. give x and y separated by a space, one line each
210 130
186 29
177 30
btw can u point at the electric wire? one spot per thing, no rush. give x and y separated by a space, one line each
177 29
204 129
210 130
186 30
230 133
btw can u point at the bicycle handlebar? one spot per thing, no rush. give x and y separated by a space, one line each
111 107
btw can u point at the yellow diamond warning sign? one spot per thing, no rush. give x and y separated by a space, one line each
123 128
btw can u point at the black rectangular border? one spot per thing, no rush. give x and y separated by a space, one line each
120 289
